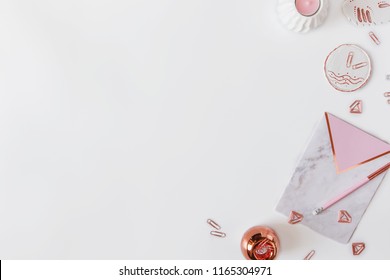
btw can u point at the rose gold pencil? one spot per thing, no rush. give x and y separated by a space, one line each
351 189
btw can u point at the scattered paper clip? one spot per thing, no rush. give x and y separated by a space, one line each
359 65
349 59
357 248
213 224
388 77
295 218
310 255
387 94
218 233
374 38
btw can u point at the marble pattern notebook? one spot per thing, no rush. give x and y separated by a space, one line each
338 156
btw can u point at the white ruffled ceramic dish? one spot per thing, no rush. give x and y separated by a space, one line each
302 15
367 12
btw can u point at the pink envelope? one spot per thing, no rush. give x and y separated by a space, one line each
338 156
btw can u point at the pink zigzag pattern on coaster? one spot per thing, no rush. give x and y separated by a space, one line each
351 145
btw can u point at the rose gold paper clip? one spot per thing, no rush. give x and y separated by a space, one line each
349 59
213 224
218 233
359 65
374 38
310 255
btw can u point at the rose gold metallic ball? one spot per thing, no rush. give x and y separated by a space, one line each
260 243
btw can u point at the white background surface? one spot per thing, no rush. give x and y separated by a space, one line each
124 125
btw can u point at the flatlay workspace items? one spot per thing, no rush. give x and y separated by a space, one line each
260 243
338 156
302 15
367 12
347 68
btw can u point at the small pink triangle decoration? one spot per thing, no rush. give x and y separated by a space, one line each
351 145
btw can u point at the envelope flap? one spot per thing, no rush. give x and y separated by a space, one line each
352 146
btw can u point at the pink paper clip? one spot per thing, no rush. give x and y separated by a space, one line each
374 38
359 65
218 233
213 224
349 59
310 255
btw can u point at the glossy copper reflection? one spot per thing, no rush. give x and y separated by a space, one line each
260 243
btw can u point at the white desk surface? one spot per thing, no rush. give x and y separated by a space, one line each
124 125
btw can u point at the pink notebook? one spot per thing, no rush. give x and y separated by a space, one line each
338 156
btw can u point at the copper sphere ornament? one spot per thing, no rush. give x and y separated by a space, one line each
260 243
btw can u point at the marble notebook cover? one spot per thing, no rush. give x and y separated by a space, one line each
338 156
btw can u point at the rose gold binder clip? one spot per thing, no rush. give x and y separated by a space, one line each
357 248
218 233
349 59
356 107
374 38
387 94
310 255
344 217
295 218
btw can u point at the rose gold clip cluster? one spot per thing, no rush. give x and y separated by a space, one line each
217 227
356 107
357 248
363 15
295 218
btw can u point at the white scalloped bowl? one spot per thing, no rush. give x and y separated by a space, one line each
297 22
